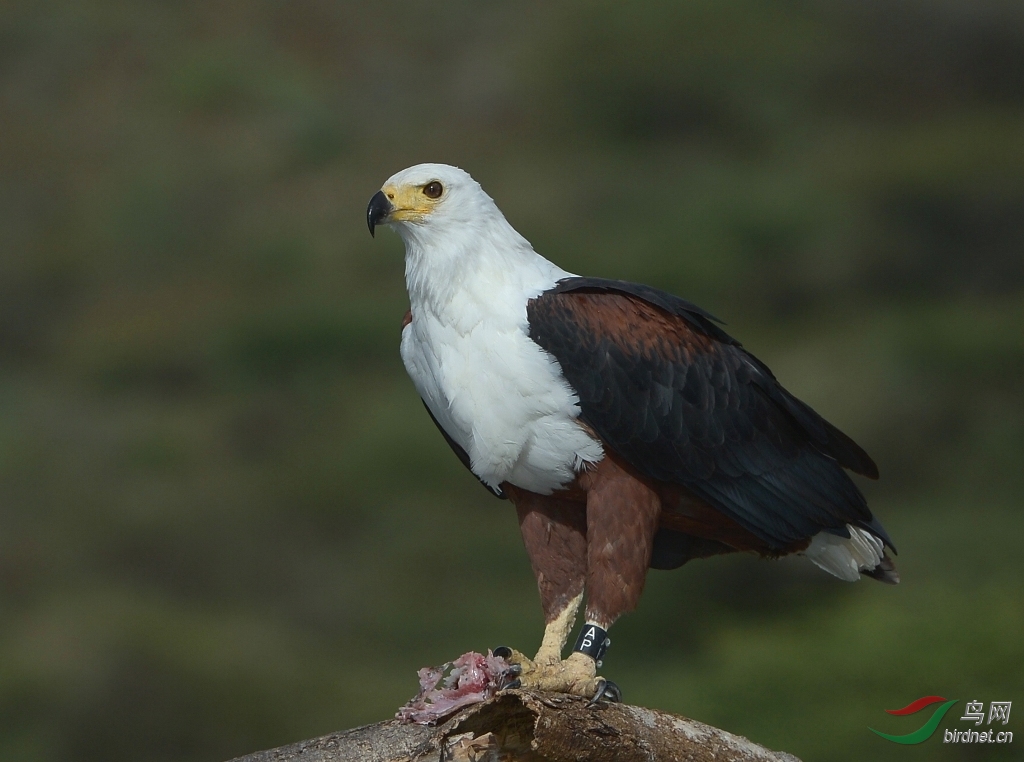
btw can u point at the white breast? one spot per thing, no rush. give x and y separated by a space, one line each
498 394
494 391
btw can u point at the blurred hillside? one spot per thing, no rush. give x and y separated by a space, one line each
226 522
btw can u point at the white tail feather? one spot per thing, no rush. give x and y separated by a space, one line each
846 557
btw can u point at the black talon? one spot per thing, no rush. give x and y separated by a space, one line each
613 692
607 691
512 685
515 670
502 652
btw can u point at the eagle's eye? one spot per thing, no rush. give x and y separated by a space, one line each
433 189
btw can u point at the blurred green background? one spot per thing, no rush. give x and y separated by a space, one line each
226 522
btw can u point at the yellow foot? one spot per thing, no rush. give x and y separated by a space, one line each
576 675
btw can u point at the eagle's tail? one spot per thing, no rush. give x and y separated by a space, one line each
886 571
849 557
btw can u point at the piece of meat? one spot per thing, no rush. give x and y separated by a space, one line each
470 679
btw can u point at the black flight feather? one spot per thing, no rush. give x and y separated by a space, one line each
702 412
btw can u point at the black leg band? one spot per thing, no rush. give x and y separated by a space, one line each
593 641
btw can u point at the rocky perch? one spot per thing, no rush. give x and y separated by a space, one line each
524 726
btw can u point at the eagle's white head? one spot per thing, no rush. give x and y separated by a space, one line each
455 236
431 200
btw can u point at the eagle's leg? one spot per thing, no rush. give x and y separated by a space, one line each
622 519
608 543
554 532
556 632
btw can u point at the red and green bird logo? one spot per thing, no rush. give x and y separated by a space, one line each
924 732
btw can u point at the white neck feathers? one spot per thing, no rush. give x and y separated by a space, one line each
466 269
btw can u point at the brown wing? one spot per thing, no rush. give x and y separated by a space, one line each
681 401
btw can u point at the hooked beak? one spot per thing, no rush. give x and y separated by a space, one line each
378 209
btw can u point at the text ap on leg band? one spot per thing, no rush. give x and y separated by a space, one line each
592 641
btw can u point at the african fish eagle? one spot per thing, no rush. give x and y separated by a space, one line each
628 429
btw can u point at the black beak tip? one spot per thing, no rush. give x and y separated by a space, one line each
378 208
